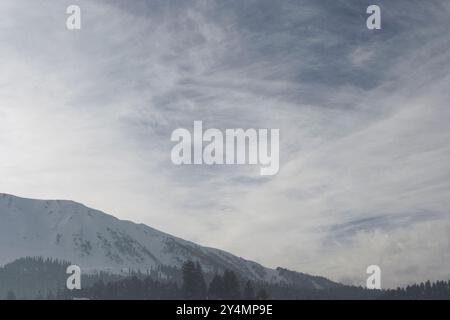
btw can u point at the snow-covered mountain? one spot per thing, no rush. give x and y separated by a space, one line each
98 241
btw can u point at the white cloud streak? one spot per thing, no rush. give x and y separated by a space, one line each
365 156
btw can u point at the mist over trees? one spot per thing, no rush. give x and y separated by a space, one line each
39 278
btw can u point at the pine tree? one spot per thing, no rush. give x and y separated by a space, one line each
215 291
262 295
194 285
231 286
201 283
249 292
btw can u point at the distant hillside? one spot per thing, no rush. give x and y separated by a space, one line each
96 241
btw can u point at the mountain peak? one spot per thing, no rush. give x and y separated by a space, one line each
94 240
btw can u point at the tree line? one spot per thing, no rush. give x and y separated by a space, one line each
226 286
39 278
439 290
192 286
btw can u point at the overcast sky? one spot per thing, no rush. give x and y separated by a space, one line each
363 116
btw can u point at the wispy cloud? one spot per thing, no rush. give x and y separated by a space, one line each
365 158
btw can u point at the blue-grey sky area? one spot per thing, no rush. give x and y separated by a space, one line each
363 116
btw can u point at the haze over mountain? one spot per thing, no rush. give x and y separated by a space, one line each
97 241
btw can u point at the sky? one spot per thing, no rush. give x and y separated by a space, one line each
363 115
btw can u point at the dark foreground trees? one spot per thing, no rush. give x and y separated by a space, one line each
194 285
38 278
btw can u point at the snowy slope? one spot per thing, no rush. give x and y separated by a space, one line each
98 241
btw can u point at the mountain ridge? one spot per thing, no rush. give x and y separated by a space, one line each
95 240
